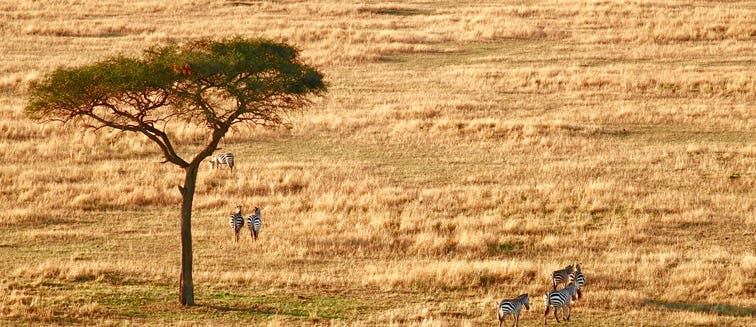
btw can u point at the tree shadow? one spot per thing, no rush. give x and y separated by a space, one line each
252 311
298 307
719 309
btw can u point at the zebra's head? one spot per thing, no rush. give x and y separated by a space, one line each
577 267
569 268
238 209
526 301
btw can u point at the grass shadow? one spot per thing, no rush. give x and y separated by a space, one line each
498 248
394 11
719 309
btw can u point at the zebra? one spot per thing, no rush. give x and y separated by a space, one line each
561 276
236 222
558 299
222 159
513 307
578 278
254 222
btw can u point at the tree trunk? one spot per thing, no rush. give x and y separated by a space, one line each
186 285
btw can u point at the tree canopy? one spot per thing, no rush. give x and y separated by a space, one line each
215 84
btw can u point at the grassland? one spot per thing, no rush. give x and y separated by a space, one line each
464 151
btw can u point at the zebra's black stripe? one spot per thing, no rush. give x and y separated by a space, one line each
254 222
559 299
513 307
561 276
236 222
222 159
577 277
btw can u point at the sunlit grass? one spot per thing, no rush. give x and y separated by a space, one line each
463 152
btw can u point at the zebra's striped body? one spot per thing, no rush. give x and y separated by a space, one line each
236 222
254 222
513 307
559 299
222 159
578 278
561 276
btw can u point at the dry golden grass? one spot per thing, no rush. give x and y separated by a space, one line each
464 151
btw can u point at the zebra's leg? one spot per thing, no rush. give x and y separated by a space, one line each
516 317
569 311
546 314
555 313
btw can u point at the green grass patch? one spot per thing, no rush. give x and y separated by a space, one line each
718 309
161 302
298 307
155 303
498 248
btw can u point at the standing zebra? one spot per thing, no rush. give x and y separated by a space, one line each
222 159
560 276
558 299
254 222
513 307
579 280
236 222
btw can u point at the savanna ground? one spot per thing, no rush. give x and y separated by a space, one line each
464 151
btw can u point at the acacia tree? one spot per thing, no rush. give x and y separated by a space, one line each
212 85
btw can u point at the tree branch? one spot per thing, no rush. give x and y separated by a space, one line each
157 136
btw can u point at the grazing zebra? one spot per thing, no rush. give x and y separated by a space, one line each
513 307
558 299
222 159
254 222
578 278
561 276
236 222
